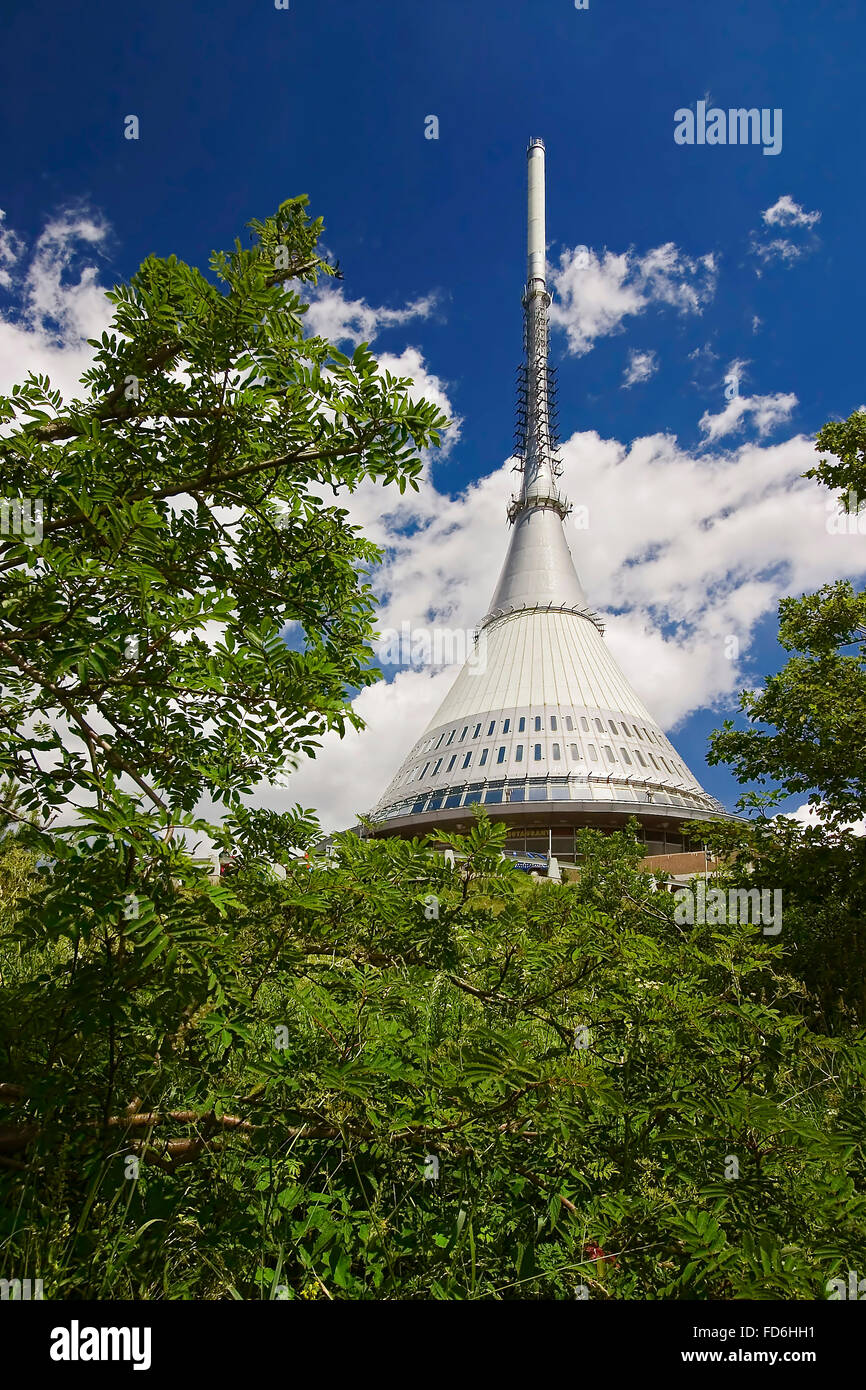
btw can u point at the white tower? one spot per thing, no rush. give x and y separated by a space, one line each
541 725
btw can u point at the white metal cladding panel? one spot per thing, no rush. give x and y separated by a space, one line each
540 658
538 566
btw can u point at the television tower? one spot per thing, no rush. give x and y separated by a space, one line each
541 725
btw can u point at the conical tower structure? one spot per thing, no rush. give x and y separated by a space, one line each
541 725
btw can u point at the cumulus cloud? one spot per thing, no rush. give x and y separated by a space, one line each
331 315
342 320
641 366
596 290
11 247
410 363
778 250
814 817
703 353
56 301
786 213
765 411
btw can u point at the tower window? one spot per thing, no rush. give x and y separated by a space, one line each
538 723
483 759
608 753
654 763
500 756
584 723
593 752
612 727
538 752
451 737
452 762
465 732
556 752
640 757
569 723
439 744
623 752
437 767
518 753
638 732
521 726
467 760
477 730
599 726
424 771
492 727
553 722
625 730
506 726
575 753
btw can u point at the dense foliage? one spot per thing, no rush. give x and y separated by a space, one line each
804 735
413 1080
383 1075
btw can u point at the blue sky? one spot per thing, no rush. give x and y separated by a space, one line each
243 105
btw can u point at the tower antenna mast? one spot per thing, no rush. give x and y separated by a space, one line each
536 440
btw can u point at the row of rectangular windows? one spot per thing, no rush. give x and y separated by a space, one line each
539 727
538 721
556 756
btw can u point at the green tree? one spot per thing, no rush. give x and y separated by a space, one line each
186 497
805 736
189 519
452 1083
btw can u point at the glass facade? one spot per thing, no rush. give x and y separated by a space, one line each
561 842
550 789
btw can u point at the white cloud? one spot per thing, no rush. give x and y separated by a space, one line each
786 213
57 305
11 248
766 413
812 817
597 290
641 366
331 315
704 353
778 250
425 385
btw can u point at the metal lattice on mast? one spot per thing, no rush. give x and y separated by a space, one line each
536 440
